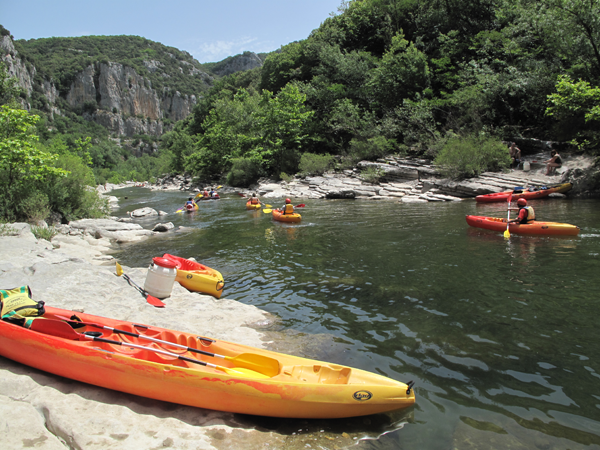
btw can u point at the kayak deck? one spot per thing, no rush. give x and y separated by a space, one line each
293 387
534 228
532 193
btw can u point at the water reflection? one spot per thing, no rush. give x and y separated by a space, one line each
500 335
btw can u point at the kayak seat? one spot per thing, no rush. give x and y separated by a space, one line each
323 374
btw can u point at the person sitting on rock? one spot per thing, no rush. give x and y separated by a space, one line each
526 213
553 163
254 200
287 208
515 154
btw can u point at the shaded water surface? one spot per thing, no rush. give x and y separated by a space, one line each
500 336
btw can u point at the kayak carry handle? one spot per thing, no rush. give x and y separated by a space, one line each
410 385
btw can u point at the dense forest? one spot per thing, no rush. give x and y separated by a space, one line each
448 80
436 78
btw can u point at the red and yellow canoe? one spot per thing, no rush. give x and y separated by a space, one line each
291 218
531 193
247 380
197 277
534 227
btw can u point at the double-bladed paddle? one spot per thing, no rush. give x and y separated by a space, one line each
259 363
149 298
63 330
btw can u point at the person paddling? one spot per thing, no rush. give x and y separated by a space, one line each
190 202
526 213
254 200
287 208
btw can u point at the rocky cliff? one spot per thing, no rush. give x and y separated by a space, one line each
109 93
238 63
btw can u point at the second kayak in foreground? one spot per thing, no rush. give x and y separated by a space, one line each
197 371
534 227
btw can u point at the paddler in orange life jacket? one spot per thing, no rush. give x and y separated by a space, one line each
288 208
254 200
526 213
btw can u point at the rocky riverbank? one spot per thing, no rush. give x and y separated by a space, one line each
75 271
412 181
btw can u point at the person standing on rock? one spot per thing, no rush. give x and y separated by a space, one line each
287 208
526 213
553 163
515 154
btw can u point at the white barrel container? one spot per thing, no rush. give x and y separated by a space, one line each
526 166
160 278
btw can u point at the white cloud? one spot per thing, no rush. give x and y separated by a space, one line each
219 50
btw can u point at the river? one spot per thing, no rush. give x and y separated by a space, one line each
499 335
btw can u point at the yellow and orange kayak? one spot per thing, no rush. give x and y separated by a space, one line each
197 277
292 218
534 227
251 206
237 378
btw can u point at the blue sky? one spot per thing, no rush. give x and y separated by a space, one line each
209 30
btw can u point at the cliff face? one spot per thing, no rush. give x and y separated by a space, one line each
111 94
238 63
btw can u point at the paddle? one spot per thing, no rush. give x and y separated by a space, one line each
149 298
240 194
259 363
269 211
63 330
507 233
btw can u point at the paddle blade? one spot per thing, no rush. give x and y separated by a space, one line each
268 206
259 363
54 328
301 205
506 234
119 270
267 211
241 195
154 301
219 187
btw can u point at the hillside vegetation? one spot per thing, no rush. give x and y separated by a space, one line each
60 59
405 76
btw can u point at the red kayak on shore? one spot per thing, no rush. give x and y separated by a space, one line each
530 193
535 227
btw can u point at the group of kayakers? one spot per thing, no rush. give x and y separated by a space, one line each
204 195
287 207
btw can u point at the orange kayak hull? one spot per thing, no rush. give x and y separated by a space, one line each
301 388
532 228
290 218
539 192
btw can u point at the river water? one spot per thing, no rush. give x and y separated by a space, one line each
501 336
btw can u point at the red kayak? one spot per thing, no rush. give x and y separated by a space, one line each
530 193
534 227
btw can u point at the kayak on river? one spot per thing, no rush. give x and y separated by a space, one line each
197 277
533 227
530 193
188 369
253 206
292 218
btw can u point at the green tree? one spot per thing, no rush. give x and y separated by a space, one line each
576 107
281 124
23 165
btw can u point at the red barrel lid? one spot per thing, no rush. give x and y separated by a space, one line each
164 262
